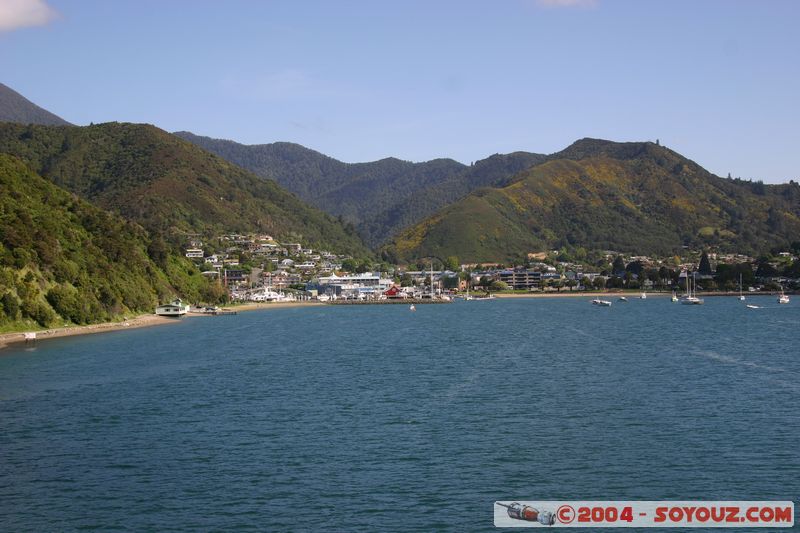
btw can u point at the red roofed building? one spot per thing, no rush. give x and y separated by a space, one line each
395 292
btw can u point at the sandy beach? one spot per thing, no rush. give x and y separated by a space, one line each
254 306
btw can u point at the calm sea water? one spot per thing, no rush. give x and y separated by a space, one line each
374 418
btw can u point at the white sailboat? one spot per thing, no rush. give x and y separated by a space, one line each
741 296
467 296
783 298
690 298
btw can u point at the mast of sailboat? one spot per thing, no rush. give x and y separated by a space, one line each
431 279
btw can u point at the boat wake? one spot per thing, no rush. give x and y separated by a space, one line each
734 361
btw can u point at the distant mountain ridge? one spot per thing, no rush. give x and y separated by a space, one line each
379 198
16 108
597 194
168 185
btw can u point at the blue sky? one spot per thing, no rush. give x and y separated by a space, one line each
717 81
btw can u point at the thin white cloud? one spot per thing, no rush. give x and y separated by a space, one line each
16 14
566 3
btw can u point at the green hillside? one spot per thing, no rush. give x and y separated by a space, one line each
631 197
168 185
64 260
16 108
380 198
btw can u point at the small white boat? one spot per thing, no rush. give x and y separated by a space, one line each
674 297
643 296
623 299
412 307
604 303
751 306
173 309
486 297
741 296
783 299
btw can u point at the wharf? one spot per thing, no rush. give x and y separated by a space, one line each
407 301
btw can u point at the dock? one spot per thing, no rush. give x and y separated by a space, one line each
393 301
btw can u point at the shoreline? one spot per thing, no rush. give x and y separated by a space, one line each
148 320
139 321
629 295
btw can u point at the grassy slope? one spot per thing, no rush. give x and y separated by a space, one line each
169 185
635 197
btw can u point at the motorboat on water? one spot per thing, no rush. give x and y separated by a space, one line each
623 299
783 298
412 307
603 303
643 296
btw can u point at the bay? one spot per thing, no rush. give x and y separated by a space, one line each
374 418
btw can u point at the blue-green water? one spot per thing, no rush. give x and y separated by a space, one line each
374 418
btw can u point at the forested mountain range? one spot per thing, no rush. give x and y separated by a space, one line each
16 108
597 194
168 185
379 198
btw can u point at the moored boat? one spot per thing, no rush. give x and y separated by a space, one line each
690 298
741 296
603 303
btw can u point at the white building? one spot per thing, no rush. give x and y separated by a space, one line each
355 285
194 253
